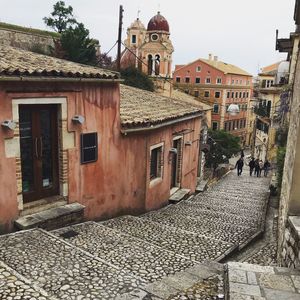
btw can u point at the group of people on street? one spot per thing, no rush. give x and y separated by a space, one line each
256 165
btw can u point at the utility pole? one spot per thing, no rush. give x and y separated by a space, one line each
120 38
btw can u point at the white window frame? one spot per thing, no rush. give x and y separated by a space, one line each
159 178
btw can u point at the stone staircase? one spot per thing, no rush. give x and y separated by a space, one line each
172 253
253 282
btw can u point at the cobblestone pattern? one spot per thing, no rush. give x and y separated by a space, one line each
209 216
291 245
193 246
265 256
14 287
135 256
62 270
253 282
233 205
217 230
208 289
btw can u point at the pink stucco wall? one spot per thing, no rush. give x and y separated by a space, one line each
118 183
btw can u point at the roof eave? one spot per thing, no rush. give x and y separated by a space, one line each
57 79
126 131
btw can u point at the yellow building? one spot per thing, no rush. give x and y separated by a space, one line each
269 86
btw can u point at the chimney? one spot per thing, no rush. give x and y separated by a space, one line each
210 56
215 58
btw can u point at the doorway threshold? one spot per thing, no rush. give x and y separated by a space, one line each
43 204
174 190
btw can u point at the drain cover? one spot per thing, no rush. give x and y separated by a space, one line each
69 234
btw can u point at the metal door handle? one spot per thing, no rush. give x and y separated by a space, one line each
41 147
36 147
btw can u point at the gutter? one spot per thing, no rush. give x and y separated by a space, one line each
57 79
167 123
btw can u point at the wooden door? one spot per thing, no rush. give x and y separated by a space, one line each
39 151
175 163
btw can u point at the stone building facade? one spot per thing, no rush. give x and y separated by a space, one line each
289 209
27 38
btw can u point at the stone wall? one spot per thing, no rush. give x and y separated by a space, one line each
289 180
31 40
290 253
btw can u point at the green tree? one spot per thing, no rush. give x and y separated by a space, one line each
62 17
77 45
137 78
223 146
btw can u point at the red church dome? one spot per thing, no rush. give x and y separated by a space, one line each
158 23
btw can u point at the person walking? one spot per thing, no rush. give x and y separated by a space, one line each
239 165
256 167
261 166
251 165
267 165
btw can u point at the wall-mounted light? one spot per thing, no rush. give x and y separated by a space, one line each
173 150
9 124
188 143
78 119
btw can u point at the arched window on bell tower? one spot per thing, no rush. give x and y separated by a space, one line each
157 64
150 64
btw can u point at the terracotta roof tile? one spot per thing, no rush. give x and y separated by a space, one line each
18 62
140 108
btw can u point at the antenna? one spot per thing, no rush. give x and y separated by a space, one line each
158 5
138 13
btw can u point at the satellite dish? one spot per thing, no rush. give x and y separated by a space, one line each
233 109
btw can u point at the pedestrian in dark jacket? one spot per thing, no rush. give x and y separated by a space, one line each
256 167
239 165
267 165
251 165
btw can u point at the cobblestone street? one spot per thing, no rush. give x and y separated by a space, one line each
172 253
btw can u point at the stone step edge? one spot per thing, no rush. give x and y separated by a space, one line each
86 253
207 210
30 221
27 281
181 281
223 256
183 194
220 258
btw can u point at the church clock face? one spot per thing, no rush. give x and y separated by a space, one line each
154 37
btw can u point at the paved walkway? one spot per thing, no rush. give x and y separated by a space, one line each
160 255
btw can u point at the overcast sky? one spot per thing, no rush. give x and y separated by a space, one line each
240 32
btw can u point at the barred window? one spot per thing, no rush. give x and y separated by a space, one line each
156 162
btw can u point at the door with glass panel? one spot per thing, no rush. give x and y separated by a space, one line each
39 151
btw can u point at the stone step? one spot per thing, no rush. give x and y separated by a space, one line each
135 256
15 286
61 269
52 218
201 186
247 281
43 204
179 195
233 208
237 235
194 246
198 282
207 216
